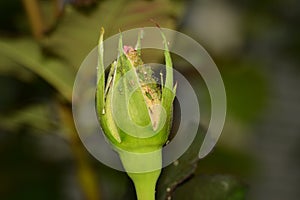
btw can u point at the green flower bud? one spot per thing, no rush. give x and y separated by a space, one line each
135 112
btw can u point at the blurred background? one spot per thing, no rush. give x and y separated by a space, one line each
254 43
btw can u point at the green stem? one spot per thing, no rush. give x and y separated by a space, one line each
144 170
145 184
33 10
85 173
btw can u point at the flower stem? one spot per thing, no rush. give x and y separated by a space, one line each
144 170
145 184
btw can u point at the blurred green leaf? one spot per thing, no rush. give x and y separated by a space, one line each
180 170
215 187
77 33
27 53
10 68
242 164
177 179
247 91
33 116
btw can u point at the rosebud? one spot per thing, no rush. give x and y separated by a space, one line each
135 112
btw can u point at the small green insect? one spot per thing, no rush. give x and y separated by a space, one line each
148 95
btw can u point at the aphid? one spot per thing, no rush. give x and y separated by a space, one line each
148 95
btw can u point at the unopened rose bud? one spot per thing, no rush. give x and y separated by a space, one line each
135 112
